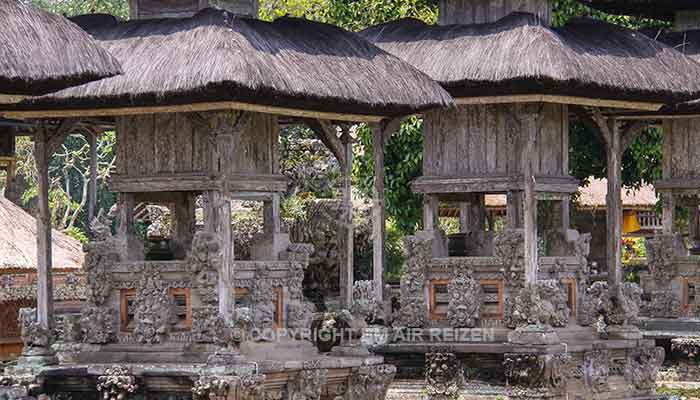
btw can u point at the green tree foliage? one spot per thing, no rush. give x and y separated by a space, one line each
119 8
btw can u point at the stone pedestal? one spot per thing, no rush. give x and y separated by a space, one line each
534 335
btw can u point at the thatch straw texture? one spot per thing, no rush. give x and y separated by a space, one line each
658 9
521 55
18 241
42 52
687 43
216 56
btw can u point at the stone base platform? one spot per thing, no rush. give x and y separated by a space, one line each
669 328
290 373
582 366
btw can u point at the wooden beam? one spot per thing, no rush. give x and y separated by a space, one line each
531 120
327 134
545 98
44 290
630 132
185 108
378 209
392 126
430 212
218 221
614 205
348 230
92 188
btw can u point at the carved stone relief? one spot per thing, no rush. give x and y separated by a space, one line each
117 383
660 254
465 299
596 369
617 307
252 387
263 299
371 382
444 376
308 385
418 254
508 247
211 387
32 334
541 303
364 301
534 375
207 325
152 308
664 304
643 365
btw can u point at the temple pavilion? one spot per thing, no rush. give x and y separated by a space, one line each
671 283
197 112
544 328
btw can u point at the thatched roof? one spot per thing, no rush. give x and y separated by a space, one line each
688 43
18 241
216 56
42 52
519 54
657 9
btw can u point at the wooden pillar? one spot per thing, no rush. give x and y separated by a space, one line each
92 185
472 213
218 221
348 231
566 213
378 211
693 222
272 222
514 210
614 204
430 212
183 223
668 212
44 292
530 119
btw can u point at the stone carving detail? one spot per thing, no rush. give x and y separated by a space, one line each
211 387
152 308
465 298
621 307
96 324
117 383
596 369
534 375
371 382
643 365
541 303
444 376
664 304
252 387
299 314
508 247
690 347
263 299
18 386
204 261
308 384
660 253
207 325
32 334
364 301
418 254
